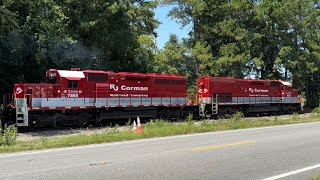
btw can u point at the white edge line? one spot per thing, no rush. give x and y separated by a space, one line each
146 140
293 172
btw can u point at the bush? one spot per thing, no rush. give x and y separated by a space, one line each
316 110
295 116
129 122
237 116
158 123
190 119
8 135
316 178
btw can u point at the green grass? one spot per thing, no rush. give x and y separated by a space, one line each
316 178
156 128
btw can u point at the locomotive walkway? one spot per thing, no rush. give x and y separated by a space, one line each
288 152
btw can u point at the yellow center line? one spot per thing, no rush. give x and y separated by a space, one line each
223 145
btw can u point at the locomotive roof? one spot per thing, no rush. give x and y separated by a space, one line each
286 83
71 74
228 79
95 71
80 74
134 74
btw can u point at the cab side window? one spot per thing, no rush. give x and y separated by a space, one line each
72 84
289 89
75 84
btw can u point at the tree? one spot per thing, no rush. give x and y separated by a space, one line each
113 28
221 24
109 35
268 39
9 66
177 58
173 58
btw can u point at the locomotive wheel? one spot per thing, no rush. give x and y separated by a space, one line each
182 115
215 117
221 116
164 114
290 110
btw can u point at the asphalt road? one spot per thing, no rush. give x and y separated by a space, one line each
290 152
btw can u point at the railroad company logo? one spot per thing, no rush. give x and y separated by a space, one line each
71 91
127 88
202 90
19 90
254 90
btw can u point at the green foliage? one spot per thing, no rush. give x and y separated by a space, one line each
129 122
316 110
316 178
179 57
8 135
118 29
115 129
173 58
190 119
237 116
203 59
219 26
295 116
156 124
264 39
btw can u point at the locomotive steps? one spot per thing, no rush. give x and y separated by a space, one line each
157 128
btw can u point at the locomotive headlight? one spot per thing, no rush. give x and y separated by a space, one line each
52 75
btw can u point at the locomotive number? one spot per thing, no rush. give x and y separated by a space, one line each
73 95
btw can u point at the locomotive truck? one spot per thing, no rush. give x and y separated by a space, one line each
74 97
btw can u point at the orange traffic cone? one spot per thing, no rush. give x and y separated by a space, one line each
134 128
139 127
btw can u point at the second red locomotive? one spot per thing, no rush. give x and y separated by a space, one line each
220 95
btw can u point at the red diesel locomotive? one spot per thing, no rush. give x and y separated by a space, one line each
220 96
91 97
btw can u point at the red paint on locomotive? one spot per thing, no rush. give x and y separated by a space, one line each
208 86
221 95
92 89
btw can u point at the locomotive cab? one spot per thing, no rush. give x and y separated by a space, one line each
61 86
51 77
288 93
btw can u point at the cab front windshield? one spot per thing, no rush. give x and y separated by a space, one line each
52 78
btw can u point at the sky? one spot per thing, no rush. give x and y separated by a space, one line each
168 26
